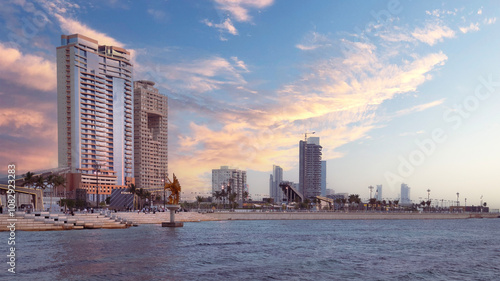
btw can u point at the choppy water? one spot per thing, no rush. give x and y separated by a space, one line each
266 250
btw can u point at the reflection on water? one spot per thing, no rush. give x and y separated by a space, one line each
279 250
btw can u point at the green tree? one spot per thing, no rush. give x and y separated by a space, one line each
29 179
218 196
39 182
232 199
133 189
199 199
372 202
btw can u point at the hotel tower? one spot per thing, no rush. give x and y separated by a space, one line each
94 111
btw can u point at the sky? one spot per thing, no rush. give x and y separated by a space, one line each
397 91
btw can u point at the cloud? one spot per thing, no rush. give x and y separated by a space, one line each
418 108
158 15
336 97
31 71
471 27
404 134
71 26
433 33
314 41
239 63
441 13
196 76
227 26
490 20
31 136
239 9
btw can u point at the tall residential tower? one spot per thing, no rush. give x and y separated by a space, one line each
310 167
275 191
94 110
150 135
230 178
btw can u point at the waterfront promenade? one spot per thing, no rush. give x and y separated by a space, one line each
127 219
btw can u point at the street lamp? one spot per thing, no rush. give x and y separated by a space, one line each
223 201
97 170
164 193
458 202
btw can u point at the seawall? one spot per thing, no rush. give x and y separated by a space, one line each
341 216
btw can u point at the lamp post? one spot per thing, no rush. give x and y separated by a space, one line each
97 170
223 201
458 202
164 193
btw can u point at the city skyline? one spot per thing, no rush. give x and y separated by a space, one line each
398 91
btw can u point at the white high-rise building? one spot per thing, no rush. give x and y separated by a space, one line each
378 192
405 194
94 112
231 179
275 191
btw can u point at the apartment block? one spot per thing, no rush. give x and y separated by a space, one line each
233 178
310 167
150 135
94 110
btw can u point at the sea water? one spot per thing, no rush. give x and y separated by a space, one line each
463 249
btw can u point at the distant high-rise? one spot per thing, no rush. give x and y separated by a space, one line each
94 111
405 194
378 193
275 191
150 135
233 178
323 178
310 167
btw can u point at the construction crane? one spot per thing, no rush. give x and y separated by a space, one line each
305 135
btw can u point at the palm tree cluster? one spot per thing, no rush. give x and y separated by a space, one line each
42 182
140 193
229 196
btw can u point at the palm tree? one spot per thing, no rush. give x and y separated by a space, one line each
217 195
232 199
372 202
224 195
29 178
146 194
199 199
337 201
39 182
140 193
58 181
354 198
50 181
132 189
428 205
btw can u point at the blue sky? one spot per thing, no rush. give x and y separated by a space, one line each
247 78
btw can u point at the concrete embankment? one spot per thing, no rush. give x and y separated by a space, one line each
341 216
44 221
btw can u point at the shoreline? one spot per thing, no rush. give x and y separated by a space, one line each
127 219
344 216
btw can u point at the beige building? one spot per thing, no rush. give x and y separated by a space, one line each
150 135
94 108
